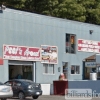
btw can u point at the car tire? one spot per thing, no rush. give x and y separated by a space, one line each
3 99
35 97
21 95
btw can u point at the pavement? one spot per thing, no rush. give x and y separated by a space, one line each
52 97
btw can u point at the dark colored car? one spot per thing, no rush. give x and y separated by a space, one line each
23 88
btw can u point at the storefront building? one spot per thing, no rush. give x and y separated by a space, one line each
40 48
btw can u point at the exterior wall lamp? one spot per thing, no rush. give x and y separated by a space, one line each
91 31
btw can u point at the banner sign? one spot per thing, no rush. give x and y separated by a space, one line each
90 64
88 46
49 54
21 53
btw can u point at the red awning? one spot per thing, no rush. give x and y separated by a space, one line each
1 61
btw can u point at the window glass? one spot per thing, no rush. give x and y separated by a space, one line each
48 68
88 70
72 69
65 69
15 83
51 68
67 37
10 83
67 43
45 68
70 43
28 83
77 70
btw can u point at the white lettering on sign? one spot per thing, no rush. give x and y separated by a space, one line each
90 50
88 46
90 64
84 49
96 47
11 50
6 56
95 43
96 50
21 53
31 53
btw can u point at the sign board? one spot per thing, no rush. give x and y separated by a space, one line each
49 54
88 46
90 64
21 53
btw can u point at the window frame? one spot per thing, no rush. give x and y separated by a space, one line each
75 70
48 69
11 83
70 43
45 69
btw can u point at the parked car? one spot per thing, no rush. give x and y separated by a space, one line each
23 88
5 91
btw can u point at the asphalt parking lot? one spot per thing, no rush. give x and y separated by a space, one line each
52 97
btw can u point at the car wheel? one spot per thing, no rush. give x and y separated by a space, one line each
21 95
35 97
3 99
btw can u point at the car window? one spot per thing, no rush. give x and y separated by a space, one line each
1 83
10 83
28 82
15 83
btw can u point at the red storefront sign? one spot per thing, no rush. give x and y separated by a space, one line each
21 53
88 46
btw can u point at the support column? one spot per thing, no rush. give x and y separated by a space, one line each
34 71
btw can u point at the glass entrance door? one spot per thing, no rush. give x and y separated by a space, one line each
65 69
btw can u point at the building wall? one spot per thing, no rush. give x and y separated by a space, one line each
91 84
4 71
33 30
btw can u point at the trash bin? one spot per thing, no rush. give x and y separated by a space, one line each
93 76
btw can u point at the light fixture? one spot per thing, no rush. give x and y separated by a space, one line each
2 7
91 31
58 69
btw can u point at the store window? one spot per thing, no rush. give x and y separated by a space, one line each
70 43
20 72
90 67
48 68
75 69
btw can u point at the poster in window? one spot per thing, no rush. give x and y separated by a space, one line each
72 67
49 54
